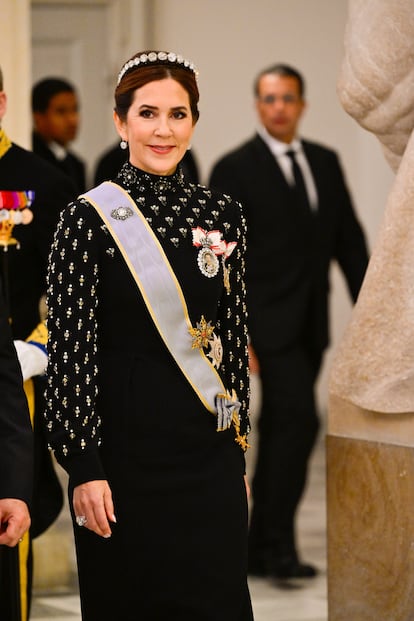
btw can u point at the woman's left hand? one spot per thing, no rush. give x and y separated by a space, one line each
93 506
254 365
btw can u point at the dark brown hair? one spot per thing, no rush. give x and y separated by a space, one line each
138 76
44 90
285 71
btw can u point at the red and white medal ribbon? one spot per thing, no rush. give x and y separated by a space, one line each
211 246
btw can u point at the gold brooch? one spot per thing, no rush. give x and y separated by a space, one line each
201 334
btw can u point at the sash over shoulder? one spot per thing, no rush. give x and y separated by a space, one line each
163 297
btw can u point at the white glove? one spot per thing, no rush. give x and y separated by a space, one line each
33 360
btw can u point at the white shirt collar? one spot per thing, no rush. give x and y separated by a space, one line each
58 151
279 150
277 147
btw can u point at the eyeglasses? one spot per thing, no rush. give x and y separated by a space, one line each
286 99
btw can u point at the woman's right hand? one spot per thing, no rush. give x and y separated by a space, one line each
93 501
253 361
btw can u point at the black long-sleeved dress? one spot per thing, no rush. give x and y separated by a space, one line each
119 408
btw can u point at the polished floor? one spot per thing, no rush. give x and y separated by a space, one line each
304 601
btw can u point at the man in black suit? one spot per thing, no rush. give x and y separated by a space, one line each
55 109
299 219
23 268
16 467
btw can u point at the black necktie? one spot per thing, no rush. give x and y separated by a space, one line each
299 187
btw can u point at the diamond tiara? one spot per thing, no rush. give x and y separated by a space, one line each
156 57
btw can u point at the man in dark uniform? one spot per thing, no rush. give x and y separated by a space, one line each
55 109
47 191
300 218
16 468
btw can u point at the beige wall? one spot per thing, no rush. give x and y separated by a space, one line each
15 61
230 41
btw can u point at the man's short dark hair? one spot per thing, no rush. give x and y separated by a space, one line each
1 80
44 90
285 71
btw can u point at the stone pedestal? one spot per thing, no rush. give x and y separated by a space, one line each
370 461
370 500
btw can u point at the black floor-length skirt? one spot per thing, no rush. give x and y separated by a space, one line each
179 547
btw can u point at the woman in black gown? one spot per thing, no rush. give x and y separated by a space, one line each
148 375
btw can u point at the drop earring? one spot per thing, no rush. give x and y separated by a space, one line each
123 144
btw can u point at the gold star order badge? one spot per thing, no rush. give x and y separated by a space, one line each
201 333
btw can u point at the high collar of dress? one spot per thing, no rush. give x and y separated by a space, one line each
135 178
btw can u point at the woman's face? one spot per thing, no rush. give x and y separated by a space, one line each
158 126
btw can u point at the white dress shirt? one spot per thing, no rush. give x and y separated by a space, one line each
58 151
279 150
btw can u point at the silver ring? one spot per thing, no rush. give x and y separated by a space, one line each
81 520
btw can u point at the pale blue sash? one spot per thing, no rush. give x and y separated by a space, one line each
162 294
